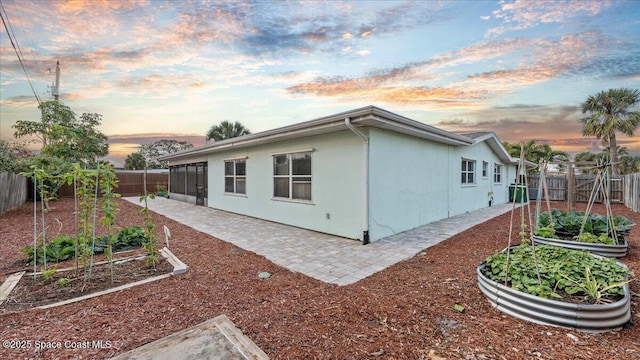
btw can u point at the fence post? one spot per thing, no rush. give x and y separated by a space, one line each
571 205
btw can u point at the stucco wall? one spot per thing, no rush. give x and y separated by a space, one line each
414 182
336 205
408 182
464 198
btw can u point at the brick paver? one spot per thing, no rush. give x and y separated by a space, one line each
328 258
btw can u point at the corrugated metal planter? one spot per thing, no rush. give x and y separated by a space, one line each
583 317
610 251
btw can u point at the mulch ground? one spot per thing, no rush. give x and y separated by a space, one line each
404 312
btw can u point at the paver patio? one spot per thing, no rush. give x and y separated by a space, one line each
328 258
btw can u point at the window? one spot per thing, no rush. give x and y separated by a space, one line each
468 171
235 176
497 173
292 176
485 169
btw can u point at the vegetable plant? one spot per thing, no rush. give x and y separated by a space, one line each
587 237
568 224
561 271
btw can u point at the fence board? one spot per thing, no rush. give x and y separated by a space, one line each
13 191
632 191
130 184
558 187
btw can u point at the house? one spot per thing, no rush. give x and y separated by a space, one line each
362 174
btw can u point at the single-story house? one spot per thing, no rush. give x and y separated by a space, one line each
362 174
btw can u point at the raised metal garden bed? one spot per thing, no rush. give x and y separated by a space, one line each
606 250
583 317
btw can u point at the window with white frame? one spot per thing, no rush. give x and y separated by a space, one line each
468 171
292 176
497 173
235 176
485 169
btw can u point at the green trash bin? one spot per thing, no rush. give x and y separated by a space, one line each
520 193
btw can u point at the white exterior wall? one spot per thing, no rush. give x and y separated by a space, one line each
414 182
408 182
469 197
336 188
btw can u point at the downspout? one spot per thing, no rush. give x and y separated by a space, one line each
365 188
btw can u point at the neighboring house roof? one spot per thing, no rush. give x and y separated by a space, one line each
367 116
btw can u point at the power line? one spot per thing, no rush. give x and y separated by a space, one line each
17 50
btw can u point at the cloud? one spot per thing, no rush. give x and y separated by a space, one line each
19 101
525 14
556 125
534 61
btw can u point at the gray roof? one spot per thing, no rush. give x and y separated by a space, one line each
474 135
369 116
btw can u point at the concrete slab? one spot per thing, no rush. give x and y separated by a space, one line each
8 285
217 338
325 257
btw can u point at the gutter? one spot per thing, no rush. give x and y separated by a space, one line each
365 188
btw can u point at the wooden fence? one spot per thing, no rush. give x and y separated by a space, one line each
632 191
13 191
558 188
130 184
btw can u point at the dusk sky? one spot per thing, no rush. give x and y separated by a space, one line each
172 69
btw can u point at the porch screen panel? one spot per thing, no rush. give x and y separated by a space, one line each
173 179
191 180
178 186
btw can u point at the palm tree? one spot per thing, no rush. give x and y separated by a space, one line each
534 152
587 157
607 113
227 130
134 161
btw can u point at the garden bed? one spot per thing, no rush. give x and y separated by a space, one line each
565 303
612 251
31 293
403 312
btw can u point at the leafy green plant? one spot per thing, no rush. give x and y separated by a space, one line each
48 274
570 223
587 237
559 269
545 232
62 282
161 190
60 248
108 181
592 288
131 237
150 239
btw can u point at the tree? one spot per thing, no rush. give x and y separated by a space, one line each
64 136
626 164
227 130
629 164
607 113
134 161
151 152
534 152
12 155
587 157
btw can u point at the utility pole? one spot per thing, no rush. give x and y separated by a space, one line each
55 89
